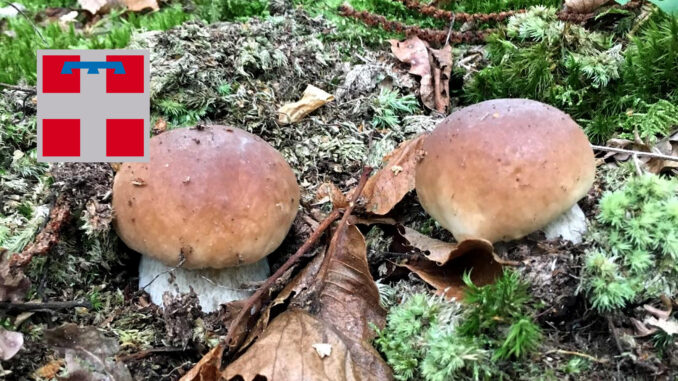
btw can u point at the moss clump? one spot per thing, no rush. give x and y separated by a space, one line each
635 245
588 74
432 339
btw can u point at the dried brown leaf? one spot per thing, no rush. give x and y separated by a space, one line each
10 343
344 301
89 354
441 68
447 279
413 52
329 192
49 370
391 183
286 351
312 99
439 251
208 368
434 66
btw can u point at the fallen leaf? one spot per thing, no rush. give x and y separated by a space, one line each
208 368
160 126
441 68
344 301
434 66
667 146
584 6
312 99
10 343
14 283
670 326
89 354
439 251
413 52
328 192
387 187
447 279
49 370
103 6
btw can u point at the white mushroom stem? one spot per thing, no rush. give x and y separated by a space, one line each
570 226
213 287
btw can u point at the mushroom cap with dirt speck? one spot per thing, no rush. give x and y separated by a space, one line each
504 168
217 196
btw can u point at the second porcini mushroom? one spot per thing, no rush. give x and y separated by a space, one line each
206 210
501 169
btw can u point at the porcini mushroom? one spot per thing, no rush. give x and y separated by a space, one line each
501 169
204 213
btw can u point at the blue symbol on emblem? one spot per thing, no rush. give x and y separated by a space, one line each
93 66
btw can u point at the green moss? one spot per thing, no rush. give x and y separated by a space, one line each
635 254
390 106
431 339
587 74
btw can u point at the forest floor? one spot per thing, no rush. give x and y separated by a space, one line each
239 73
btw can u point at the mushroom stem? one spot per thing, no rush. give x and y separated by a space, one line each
213 286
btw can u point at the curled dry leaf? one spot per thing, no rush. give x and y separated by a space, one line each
344 301
388 186
208 368
445 264
432 65
448 278
329 192
89 354
10 343
439 251
312 99
14 283
584 6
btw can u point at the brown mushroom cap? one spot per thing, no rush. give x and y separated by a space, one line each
217 196
504 168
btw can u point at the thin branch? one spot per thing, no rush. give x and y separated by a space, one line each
148 352
18 88
429 10
47 238
42 306
426 34
35 28
584 355
250 307
638 153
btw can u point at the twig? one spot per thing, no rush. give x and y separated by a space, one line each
47 238
182 260
18 88
432 11
39 306
632 152
430 35
250 305
148 352
35 28
449 31
584 355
